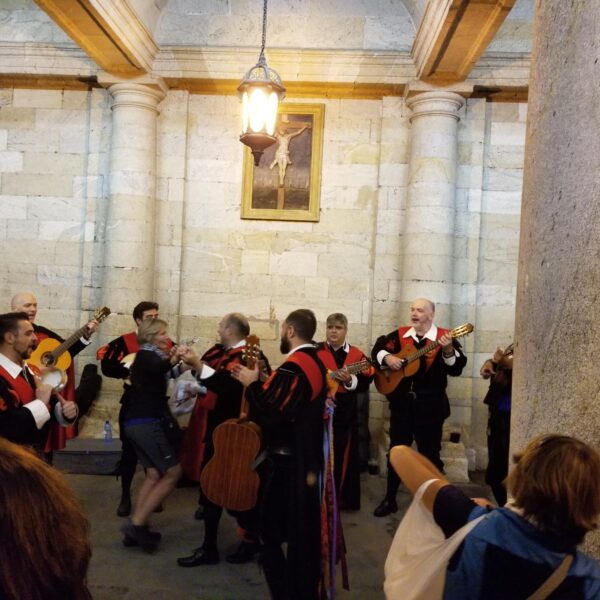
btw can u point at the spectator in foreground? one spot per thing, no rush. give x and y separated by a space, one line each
554 500
44 549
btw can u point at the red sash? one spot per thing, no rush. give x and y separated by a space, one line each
19 388
131 342
311 369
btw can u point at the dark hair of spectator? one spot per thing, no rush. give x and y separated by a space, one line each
556 482
45 549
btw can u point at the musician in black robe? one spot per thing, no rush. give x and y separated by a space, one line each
290 406
336 353
57 435
224 397
419 405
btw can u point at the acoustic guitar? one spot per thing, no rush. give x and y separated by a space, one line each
52 358
386 380
333 381
228 479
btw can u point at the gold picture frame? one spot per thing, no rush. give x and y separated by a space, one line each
286 186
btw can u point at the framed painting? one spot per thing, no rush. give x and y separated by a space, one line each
286 185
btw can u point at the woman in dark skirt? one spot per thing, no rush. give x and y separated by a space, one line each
144 422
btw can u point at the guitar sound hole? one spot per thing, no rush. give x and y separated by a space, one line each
48 360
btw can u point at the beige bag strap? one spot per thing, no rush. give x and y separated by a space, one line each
553 581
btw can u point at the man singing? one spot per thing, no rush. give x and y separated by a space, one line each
419 405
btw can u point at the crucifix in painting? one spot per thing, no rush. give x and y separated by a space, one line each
286 183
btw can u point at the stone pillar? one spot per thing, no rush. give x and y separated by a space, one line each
127 269
428 245
129 238
556 375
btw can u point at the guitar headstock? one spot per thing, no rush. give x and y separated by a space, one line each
101 314
465 329
251 352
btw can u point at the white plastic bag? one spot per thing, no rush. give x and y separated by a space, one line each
415 568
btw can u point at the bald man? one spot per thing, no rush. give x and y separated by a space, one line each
26 302
419 405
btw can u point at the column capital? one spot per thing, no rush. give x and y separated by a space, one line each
141 92
435 103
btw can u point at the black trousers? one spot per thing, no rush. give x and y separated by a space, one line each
128 461
415 420
247 521
498 442
295 576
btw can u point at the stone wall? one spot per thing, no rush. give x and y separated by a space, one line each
54 163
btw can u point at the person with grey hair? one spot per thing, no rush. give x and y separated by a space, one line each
419 404
144 422
214 371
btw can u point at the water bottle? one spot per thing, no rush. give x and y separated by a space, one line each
107 431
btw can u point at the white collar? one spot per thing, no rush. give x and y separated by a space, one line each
240 344
430 335
345 346
300 346
12 368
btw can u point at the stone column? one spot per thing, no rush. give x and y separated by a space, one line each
129 238
128 263
428 244
556 376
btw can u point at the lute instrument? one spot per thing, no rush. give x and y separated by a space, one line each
387 380
52 358
228 479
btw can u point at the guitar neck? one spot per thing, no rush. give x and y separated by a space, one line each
423 351
68 342
354 367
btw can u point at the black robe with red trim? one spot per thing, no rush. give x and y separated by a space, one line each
431 380
57 434
289 407
17 424
345 423
222 402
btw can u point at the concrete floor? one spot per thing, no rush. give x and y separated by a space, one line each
130 574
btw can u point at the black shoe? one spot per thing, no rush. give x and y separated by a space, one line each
199 514
200 556
385 508
128 541
124 508
244 554
146 539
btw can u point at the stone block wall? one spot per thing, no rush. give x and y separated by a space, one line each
54 156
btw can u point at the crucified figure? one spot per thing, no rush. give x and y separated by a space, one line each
282 154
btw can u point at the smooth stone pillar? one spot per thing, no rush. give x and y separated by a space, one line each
130 229
129 236
428 242
556 383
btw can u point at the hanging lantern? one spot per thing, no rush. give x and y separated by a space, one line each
261 90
